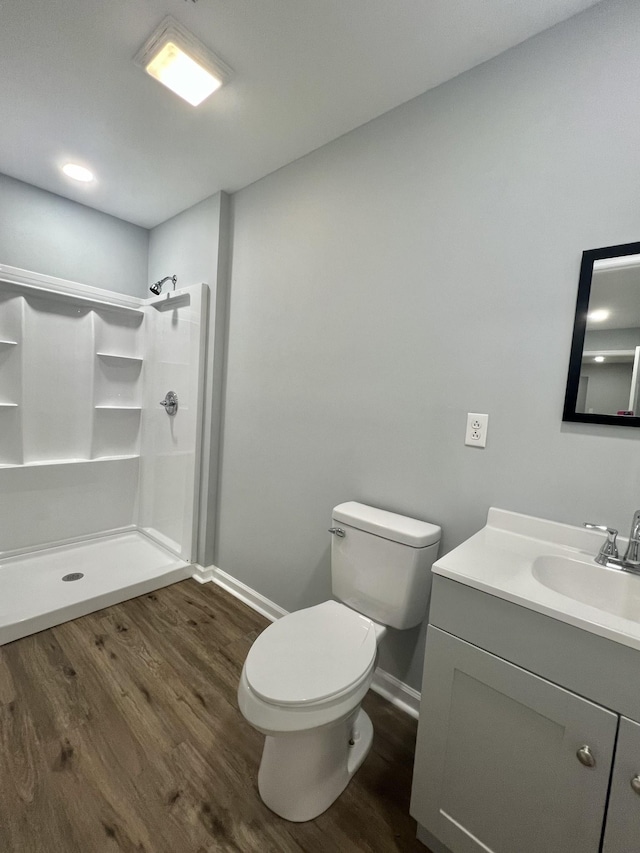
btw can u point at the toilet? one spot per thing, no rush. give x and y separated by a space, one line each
305 676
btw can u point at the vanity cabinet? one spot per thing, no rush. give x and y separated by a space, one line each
622 830
497 756
524 743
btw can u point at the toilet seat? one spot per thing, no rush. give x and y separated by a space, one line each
311 656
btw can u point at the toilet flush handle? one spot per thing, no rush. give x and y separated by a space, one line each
337 531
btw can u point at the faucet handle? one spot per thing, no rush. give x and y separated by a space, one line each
610 530
610 547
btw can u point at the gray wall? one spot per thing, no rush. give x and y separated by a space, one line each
608 389
194 245
421 267
45 233
612 339
187 245
609 383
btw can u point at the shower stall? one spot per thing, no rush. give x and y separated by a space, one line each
98 466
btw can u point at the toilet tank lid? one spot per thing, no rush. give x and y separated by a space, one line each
389 525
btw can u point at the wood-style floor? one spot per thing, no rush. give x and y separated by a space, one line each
120 732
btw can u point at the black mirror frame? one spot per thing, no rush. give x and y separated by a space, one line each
577 343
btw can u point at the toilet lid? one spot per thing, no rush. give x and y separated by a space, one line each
311 655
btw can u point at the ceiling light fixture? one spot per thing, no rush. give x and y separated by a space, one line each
78 173
599 359
178 60
598 316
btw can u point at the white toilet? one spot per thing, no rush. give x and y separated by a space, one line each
306 674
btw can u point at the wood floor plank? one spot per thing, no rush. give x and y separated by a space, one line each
91 788
36 662
205 791
24 801
129 693
120 731
7 688
199 622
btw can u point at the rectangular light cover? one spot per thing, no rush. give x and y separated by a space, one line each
181 62
176 70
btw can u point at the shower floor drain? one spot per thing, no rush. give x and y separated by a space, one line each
74 576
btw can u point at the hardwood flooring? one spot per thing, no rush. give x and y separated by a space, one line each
120 732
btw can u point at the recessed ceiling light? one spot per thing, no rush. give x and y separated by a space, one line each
175 57
78 173
599 358
598 316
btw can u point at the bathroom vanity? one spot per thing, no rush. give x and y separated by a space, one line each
529 733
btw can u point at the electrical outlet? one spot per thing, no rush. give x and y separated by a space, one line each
477 427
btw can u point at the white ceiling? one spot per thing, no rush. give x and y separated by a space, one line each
305 73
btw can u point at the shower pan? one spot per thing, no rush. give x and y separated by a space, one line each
98 479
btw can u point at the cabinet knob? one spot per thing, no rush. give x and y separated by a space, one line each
635 784
585 756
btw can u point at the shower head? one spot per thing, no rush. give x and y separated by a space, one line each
157 287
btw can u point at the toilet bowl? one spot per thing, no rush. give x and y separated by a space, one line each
306 674
301 686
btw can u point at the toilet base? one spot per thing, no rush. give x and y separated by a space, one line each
303 773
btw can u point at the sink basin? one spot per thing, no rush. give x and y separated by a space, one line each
611 590
548 567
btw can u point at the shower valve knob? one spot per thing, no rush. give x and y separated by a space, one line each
170 403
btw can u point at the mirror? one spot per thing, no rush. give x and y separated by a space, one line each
603 386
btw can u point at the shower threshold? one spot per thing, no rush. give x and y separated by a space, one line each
113 568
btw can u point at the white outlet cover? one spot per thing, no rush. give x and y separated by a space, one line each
477 427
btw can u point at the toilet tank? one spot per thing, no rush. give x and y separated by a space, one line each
381 567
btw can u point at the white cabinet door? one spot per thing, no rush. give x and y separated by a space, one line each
497 767
622 832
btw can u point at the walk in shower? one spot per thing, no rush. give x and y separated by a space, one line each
98 479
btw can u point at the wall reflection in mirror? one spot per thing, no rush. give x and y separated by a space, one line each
604 371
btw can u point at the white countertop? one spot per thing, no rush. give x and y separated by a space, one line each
499 560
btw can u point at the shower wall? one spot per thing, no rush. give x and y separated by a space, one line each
170 446
82 372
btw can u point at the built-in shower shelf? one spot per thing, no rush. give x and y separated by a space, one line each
35 463
63 295
43 463
114 356
120 408
168 301
115 458
8 343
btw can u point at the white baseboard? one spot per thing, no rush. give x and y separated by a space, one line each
249 596
386 685
396 692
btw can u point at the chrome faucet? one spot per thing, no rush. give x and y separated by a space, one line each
632 554
609 549
608 553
